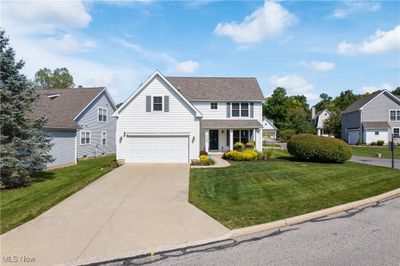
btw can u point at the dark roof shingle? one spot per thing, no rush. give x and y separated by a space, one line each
61 110
376 125
361 102
230 123
218 88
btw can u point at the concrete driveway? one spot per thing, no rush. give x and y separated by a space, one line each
135 207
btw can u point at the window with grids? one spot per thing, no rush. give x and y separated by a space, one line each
214 106
240 109
157 103
102 114
85 137
394 115
241 135
103 138
396 132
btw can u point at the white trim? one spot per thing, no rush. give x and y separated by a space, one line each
156 134
144 84
395 115
98 114
101 139
76 146
382 92
80 137
94 99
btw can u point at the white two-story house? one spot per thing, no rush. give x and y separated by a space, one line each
172 119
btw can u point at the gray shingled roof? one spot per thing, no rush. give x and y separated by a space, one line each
218 88
376 125
61 110
361 102
230 123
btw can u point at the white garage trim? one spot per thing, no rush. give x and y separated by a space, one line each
171 134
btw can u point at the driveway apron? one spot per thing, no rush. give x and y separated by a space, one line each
135 207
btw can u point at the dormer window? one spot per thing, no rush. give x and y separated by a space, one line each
214 106
102 114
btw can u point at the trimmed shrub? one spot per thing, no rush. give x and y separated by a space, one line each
285 135
380 142
238 145
373 143
244 155
203 153
204 160
250 145
319 149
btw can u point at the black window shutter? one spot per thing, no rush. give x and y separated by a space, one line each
148 103
228 110
166 103
252 110
228 137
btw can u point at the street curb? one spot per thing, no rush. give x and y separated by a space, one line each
313 215
245 230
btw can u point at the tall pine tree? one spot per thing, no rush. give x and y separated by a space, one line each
24 149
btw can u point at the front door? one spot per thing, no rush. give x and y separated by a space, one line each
213 139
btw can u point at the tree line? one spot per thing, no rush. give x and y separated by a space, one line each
292 114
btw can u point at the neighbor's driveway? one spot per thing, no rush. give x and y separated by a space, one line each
135 207
376 161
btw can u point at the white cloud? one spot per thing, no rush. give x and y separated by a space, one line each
68 44
371 89
294 85
45 15
266 22
319 65
380 42
188 66
352 7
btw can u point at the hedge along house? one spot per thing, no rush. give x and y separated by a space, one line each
79 123
375 117
171 119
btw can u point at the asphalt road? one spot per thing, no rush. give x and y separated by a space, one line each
365 236
376 161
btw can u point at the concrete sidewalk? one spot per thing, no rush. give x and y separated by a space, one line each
135 207
376 161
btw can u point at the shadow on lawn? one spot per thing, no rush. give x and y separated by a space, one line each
42 176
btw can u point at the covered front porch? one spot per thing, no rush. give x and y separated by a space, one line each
221 135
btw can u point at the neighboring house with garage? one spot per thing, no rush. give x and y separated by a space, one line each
372 118
318 120
79 123
269 129
172 119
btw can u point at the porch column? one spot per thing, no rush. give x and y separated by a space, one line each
253 137
231 139
207 139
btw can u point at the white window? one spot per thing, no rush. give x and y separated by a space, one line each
214 106
103 138
396 132
157 103
85 137
394 115
240 109
241 135
102 114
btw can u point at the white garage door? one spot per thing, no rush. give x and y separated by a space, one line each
158 149
375 135
353 137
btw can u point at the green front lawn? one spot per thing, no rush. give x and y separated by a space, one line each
249 193
371 151
49 188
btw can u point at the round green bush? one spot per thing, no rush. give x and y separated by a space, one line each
319 149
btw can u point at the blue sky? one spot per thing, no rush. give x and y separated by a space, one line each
308 47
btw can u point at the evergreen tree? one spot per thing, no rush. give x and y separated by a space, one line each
23 148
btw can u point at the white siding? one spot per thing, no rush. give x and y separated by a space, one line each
371 137
63 150
89 122
220 113
180 119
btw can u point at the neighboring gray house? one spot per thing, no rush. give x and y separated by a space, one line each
79 123
372 118
318 120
